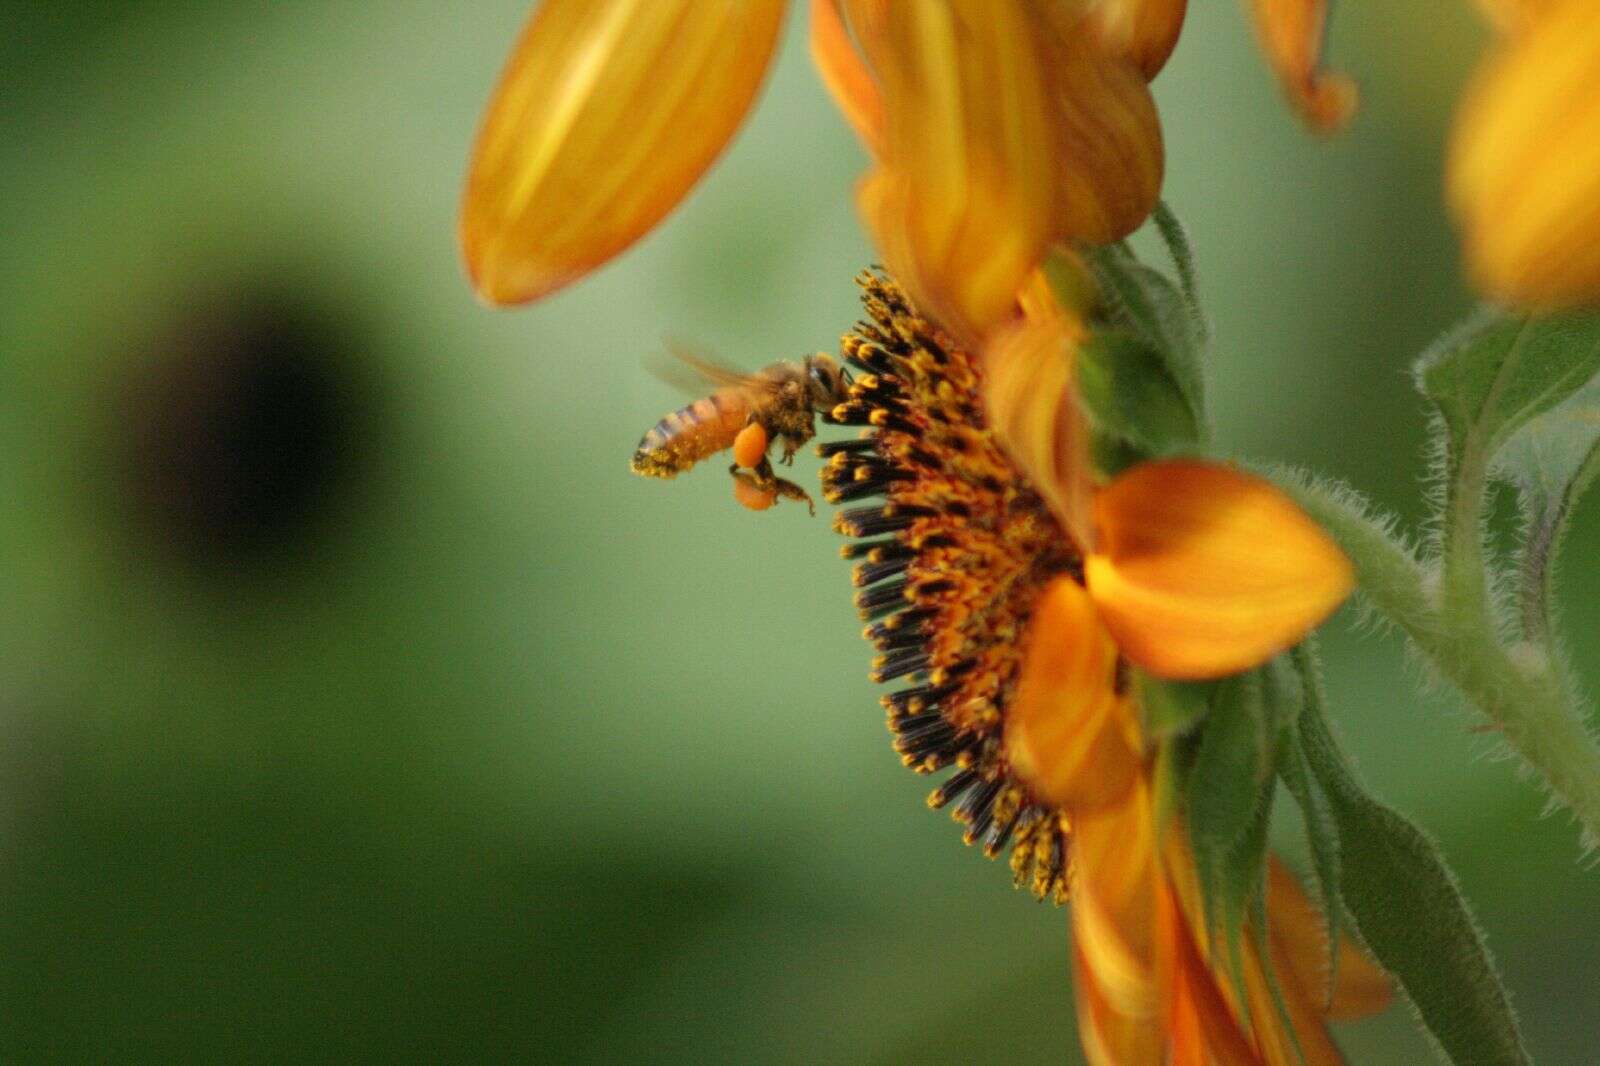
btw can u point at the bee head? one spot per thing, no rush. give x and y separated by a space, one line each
829 383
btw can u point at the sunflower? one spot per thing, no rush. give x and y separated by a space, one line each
1017 644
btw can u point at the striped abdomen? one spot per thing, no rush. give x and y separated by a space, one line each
691 433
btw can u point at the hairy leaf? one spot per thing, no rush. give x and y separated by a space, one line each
1287 697
1176 239
1408 908
1322 834
1229 797
1238 883
1492 375
1552 461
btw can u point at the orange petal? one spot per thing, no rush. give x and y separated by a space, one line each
845 74
1291 33
1029 401
1114 880
1109 1037
964 207
1299 937
1202 571
1294 1035
1200 1024
1141 31
609 111
1111 157
1524 171
1069 732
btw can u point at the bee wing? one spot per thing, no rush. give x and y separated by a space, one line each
692 371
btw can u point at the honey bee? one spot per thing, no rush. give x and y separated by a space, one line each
746 412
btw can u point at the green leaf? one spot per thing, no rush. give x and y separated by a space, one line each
1283 699
1172 708
1144 302
1225 782
1410 911
1552 461
1492 375
1238 883
1131 395
1322 833
1228 802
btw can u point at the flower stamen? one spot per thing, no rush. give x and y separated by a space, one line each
949 566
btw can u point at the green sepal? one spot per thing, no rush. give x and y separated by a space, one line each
1552 461
1224 782
1261 930
1144 302
1322 833
1130 394
1181 249
1228 802
1235 888
1410 911
1495 373
1172 708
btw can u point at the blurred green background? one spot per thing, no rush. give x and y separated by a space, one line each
357 703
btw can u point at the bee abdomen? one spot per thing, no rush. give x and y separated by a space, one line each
690 434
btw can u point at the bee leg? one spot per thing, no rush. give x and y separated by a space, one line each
762 479
791 445
790 491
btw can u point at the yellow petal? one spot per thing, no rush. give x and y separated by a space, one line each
609 111
845 75
1511 15
1030 403
1299 939
1069 733
963 208
1111 157
1141 31
1114 880
1291 33
1524 170
1202 571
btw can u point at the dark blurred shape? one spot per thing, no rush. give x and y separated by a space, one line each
246 426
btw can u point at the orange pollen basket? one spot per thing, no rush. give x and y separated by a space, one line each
952 559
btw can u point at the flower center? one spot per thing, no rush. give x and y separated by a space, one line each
952 561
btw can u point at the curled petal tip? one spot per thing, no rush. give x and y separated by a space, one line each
1291 33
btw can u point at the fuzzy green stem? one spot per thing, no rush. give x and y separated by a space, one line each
1464 588
1523 695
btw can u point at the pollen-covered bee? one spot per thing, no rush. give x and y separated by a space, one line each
746 412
